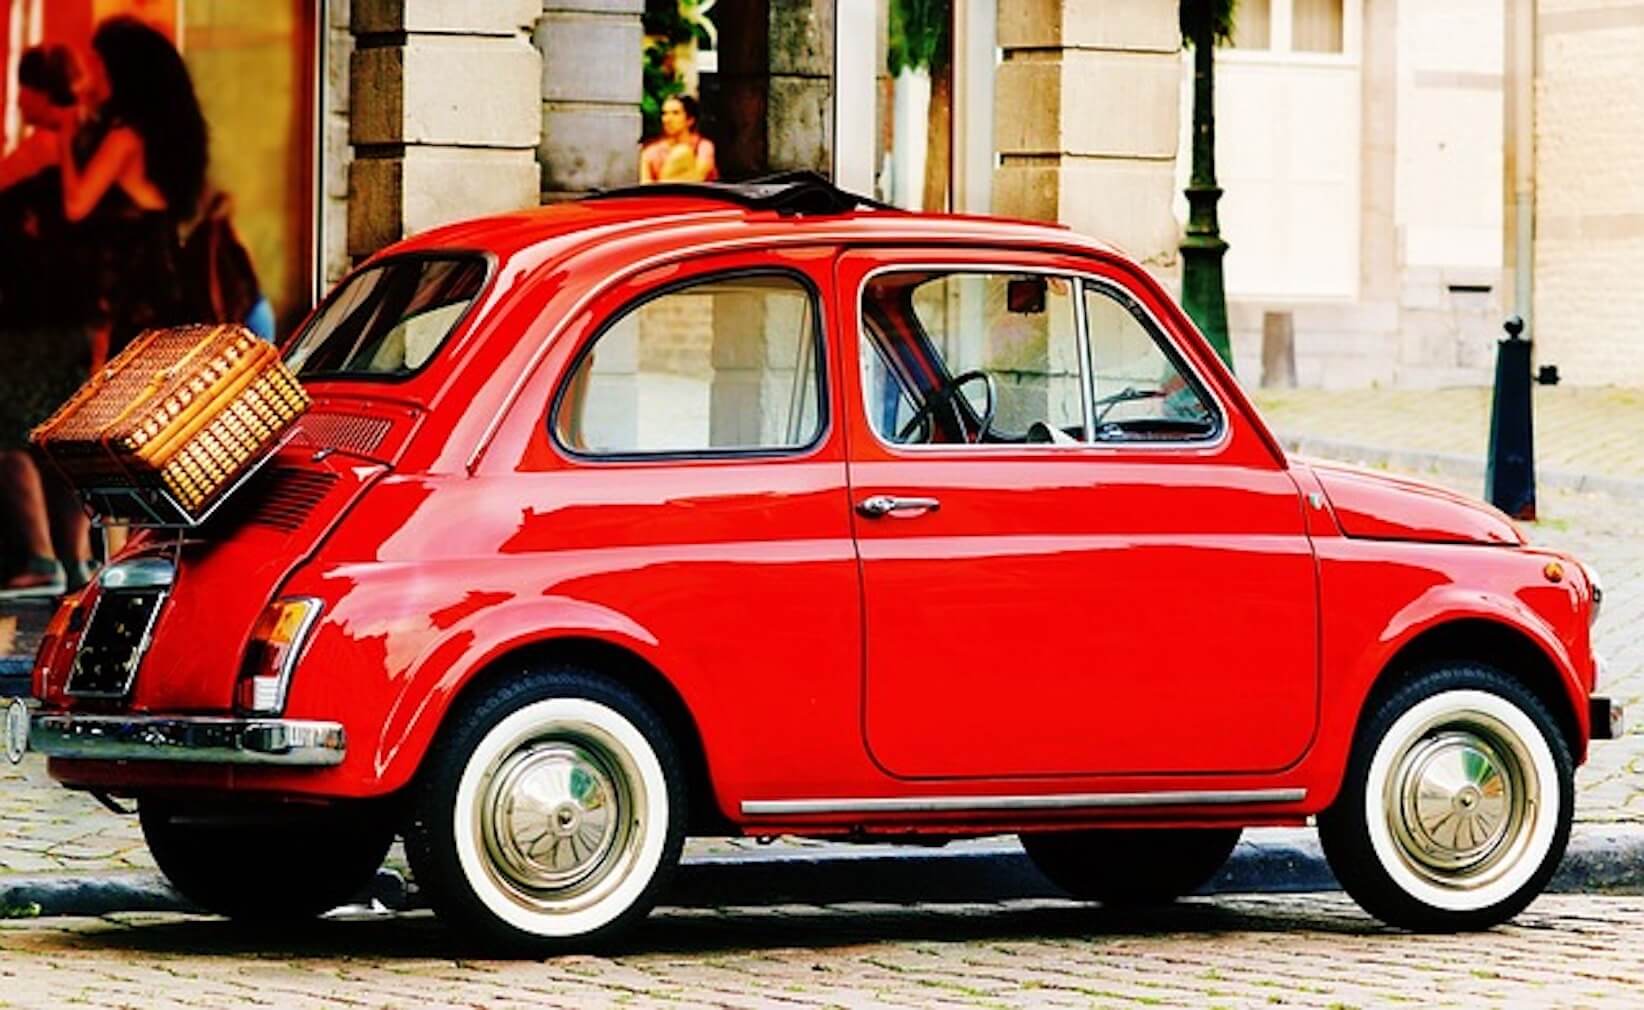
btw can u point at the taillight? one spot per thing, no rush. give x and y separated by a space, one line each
276 641
67 620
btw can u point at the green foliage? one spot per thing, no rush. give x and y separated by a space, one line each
674 20
1191 13
918 36
661 84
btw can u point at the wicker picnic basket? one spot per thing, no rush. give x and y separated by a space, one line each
175 420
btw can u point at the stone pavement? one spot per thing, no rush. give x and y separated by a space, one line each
1316 951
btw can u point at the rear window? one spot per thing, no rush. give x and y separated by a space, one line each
389 320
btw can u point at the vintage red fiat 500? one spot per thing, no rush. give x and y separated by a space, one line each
753 510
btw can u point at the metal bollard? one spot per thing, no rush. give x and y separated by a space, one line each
1510 476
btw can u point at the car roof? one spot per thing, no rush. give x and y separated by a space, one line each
705 213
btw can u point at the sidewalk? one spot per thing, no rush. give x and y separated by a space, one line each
62 851
1585 439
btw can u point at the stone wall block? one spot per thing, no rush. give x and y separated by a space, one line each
586 147
1146 27
595 6
1025 24
1124 202
446 90
1027 190
800 118
445 184
590 57
1120 104
1027 107
801 37
1138 25
375 187
458 17
339 58
479 91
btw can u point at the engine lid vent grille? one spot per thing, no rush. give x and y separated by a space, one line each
284 496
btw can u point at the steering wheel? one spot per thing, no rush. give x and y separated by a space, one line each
945 394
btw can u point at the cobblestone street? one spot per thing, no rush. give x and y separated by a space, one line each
1312 951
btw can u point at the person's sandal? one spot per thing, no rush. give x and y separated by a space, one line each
39 577
79 574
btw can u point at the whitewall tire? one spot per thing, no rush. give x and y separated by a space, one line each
1457 803
552 813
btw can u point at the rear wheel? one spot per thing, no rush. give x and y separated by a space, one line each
1457 803
551 813
1131 866
266 863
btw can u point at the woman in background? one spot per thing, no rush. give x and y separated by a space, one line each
681 154
133 176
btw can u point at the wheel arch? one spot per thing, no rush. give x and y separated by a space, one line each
1504 646
625 667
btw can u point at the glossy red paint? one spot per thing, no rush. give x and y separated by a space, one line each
1084 620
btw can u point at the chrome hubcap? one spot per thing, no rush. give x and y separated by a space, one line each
1462 800
558 818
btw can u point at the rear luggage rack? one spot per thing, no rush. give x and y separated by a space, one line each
790 194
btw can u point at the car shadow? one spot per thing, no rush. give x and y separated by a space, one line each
725 930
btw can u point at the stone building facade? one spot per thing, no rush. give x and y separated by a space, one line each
1589 188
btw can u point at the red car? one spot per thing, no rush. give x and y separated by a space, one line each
754 510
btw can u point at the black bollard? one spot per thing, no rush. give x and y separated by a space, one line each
1510 477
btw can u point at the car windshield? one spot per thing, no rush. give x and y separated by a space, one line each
389 320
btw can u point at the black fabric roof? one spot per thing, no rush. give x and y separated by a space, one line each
797 193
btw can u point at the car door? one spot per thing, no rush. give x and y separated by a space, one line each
1102 570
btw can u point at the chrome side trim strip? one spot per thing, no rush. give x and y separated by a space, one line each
202 740
1054 801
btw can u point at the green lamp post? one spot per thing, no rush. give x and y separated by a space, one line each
1203 23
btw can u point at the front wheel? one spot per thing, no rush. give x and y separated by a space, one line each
551 812
1457 803
1131 866
266 862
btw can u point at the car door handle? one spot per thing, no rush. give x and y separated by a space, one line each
884 504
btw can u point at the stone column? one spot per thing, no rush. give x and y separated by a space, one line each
1086 108
339 52
444 112
592 81
799 113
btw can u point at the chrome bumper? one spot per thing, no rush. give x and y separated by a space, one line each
1608 719
198 739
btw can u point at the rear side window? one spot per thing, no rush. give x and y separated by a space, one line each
389 320
731 364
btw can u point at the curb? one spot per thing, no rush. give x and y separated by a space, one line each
1454 465
1601 858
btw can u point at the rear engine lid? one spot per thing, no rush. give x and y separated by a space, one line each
227 571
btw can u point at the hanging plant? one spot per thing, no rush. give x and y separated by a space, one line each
918 36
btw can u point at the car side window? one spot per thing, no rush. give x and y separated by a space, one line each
955 356
729 364
1141 393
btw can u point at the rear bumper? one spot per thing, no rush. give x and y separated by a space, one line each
210 740
1608 720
